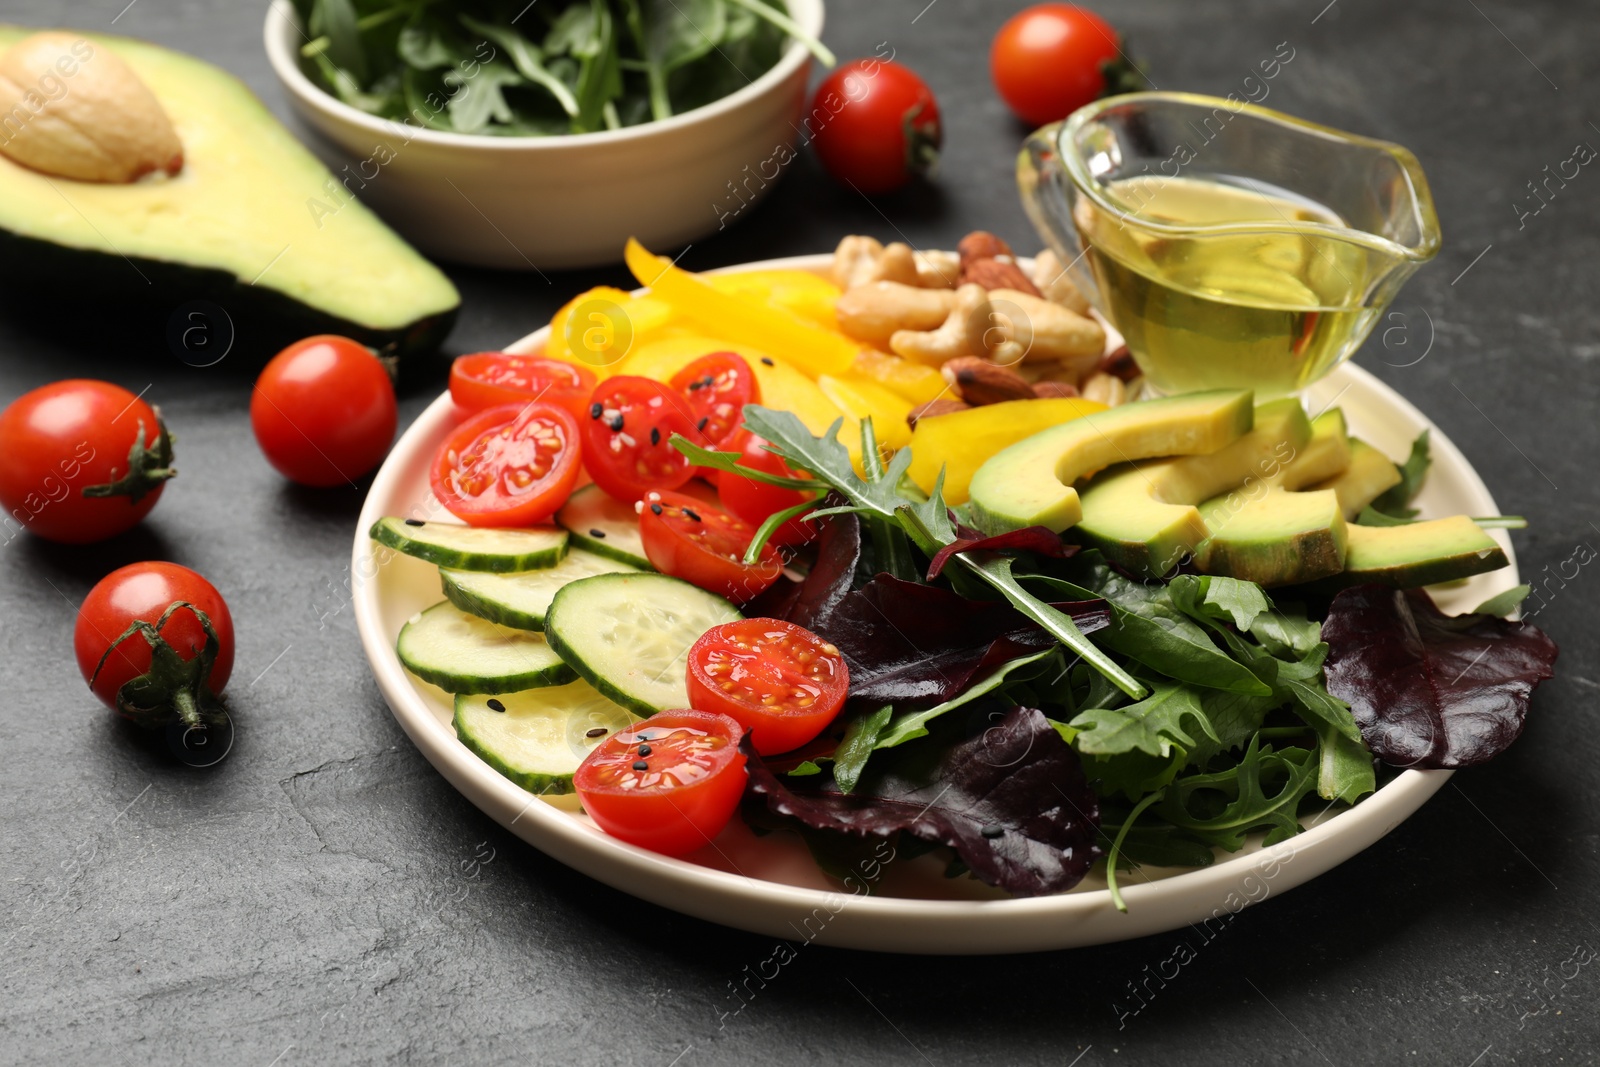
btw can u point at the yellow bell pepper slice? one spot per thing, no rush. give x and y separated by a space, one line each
864 399
598 328
961 441
917 382
800 291
808 346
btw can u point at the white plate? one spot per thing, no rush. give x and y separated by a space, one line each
770 885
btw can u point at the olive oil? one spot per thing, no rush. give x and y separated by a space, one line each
1271 309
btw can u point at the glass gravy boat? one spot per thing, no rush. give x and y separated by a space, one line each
1232 246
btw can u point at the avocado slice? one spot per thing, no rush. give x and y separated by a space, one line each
1368 476
1419 553
1143 516
1277 534
1030 482
252 222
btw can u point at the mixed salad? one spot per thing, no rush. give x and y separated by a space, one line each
746 613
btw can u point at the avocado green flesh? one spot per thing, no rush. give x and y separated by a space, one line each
1324 456
1367 476
1030 483
253 222
1422 553
1143 516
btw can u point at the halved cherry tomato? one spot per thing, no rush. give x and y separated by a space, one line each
718 386
780 681
704 545
627 437
487 379
512 465
669 783
753 501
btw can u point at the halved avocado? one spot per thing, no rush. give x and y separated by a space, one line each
1368 476
253 223
1420 553
1030 483
1143 516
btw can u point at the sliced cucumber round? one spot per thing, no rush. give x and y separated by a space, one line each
538 738
462 653
604 525
629 635
473 548
521 599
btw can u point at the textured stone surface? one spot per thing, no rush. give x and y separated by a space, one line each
325 897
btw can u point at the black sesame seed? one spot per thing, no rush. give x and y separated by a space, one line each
655 509
598 534
691 514
415 522
640 765
701 425
596 410
495 705
992 831
615 424
768 361
598 731
694 385
644 750
655 436
707 382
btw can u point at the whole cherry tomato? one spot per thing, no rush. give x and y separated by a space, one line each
155 643
512 465
324 411
81 460
1051 59
875 125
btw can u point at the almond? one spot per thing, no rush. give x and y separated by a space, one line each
981 244
942 406
996 274
1119 363
981 382
1054 389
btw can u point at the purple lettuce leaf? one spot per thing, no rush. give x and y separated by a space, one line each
908 644
1429 690
1036 539
1013 802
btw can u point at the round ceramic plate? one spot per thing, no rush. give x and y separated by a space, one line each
770 885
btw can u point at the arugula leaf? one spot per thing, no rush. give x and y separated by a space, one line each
1170 714
1262 793
477 100
1396 501
1344 767
1503 604
1286 632
915 724
1209 597
526 57
861 737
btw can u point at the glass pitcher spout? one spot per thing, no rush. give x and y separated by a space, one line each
1231 245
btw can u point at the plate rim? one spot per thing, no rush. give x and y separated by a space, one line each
874 922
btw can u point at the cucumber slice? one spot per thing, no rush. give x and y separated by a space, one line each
521 599
542 735
473 548
604 525
628 635
462 653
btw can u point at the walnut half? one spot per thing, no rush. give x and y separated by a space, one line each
74 109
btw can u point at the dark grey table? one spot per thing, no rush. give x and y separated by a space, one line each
324 896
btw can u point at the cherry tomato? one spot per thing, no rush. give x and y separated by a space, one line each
323 411
669 783
81 460
704 545
1051 59
627 437
753 501
875 125
144 592
780 681
511 465
488 379
718 386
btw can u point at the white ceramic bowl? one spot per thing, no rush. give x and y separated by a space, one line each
770 884
541 203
